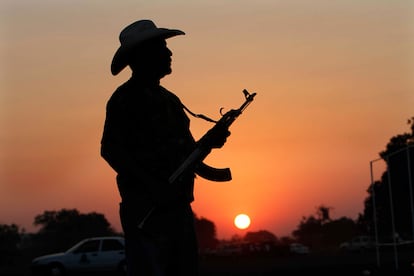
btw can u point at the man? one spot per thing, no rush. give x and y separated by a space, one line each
146 138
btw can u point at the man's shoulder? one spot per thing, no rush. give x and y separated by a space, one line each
121 95
171 95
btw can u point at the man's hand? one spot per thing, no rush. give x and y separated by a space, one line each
217 137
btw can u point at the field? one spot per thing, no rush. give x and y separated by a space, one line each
267 265
350 264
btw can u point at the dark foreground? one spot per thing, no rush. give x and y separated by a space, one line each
338 265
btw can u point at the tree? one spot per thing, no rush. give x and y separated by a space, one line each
323 232
206 233
309 231
323 213
339 230
393 193
261 236
10 236
61 229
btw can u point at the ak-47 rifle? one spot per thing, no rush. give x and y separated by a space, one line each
195 159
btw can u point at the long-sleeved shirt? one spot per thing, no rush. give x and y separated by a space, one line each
146 137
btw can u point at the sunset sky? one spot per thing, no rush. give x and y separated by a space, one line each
334 82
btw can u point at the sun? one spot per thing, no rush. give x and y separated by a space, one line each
242 221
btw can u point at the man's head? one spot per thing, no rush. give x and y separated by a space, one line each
151 59
142 45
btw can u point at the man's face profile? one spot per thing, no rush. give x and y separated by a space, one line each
152 56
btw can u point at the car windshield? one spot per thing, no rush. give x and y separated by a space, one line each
89 246
74 247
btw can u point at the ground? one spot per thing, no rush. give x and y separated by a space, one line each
365 264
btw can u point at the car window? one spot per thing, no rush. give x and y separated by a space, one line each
89 246
112 245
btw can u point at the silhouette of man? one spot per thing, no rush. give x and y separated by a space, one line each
146 137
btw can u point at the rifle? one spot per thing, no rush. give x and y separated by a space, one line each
195 159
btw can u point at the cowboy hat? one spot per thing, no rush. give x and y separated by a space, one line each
133 35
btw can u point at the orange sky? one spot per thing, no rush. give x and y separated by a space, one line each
334 81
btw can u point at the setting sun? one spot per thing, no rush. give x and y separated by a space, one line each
242 221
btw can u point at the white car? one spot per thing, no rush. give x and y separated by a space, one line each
359 243
298 248
89 255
